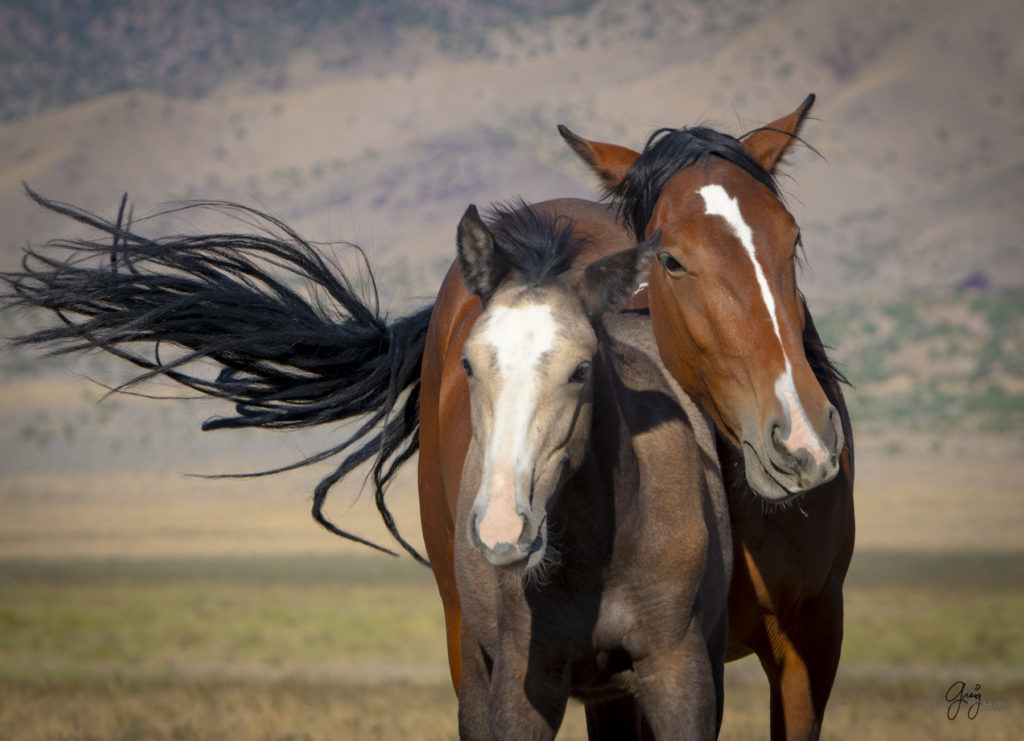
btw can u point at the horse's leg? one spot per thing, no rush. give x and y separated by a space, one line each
800 659
529 685
717 643
677 689
616 719
474 691
526 707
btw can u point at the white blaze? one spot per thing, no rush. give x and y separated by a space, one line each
717 202
519 337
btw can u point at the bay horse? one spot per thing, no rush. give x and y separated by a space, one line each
735 332
592 550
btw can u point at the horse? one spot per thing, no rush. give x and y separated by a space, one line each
592 549
735 332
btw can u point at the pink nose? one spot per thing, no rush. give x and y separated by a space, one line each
507 549
500 524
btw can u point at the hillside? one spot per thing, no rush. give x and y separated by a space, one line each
377 123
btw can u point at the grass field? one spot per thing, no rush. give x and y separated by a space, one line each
138 603
317 647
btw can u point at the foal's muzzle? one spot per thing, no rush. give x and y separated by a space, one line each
530 542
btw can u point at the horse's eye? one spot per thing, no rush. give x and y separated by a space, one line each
581 373
467 367
672 266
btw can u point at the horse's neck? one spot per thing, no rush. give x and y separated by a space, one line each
588 506
610 437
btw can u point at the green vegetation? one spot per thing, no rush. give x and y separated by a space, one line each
153 617
907 625
932 359
957 609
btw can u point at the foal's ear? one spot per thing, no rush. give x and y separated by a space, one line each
769 143
483 264
610 161
608 283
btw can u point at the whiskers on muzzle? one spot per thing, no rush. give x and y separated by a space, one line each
536 571
507 549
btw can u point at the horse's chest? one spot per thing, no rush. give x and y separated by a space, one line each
603 665
628 626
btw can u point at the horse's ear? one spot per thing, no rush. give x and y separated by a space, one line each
483 264
608 283
610 161
770 142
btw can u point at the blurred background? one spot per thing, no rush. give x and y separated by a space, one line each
137 601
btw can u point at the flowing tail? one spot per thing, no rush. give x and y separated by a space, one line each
288 357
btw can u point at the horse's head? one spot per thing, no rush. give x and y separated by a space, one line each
529 361
724 302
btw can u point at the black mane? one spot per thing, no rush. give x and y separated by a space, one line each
667 152
538 246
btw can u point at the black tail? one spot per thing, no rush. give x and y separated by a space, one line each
292 353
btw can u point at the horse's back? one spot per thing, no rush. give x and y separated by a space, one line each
596 220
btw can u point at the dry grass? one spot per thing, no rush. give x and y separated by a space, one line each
322 647
875 702
225 709
864 707
136 603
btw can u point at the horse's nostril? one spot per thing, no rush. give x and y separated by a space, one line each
805 463
502 549
777 440
838 439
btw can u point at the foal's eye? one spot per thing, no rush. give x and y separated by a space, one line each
581 373
467 367
672 266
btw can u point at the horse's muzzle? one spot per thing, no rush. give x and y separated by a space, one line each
531 540
777 472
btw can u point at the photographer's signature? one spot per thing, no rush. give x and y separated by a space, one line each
958 695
